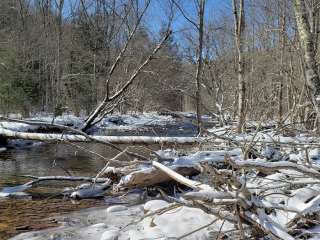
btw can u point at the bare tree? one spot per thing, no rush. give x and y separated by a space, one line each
239 27
93 116
59 5
117 94
201 7
282 42
199 26
308 45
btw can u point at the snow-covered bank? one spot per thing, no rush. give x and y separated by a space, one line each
272 193
114 121
268 179
116 124
134 223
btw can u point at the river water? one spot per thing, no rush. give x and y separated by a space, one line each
19 215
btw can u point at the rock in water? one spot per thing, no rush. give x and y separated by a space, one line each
272 153
90 191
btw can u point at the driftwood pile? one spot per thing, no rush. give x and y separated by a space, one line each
280 200
261 197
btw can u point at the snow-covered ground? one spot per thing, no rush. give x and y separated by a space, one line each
280 195
115 121
134 121
116 222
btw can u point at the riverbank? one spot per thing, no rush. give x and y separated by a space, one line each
256 184
142 221
23 215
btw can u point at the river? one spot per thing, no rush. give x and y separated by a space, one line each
45 200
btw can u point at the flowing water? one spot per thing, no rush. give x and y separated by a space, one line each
19 215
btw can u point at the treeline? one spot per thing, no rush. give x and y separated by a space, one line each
59 53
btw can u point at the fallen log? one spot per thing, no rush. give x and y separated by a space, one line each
152 176
64 178
264 166
53 137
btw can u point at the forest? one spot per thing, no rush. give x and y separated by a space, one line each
159 119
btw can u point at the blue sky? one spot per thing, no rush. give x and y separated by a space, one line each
157 13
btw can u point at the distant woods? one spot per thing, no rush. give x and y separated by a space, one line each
254 59
58 53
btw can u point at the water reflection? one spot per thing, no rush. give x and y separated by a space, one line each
53 159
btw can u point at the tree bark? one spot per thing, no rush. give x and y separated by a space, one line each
239 27
89 122
199 64
282 42
308 46
54 137
59 47
94 115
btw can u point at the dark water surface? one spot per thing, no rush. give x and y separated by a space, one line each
19 215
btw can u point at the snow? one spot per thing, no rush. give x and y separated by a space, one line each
116 208
199 156
131 121
272 191
97 224
272 153
111 234
21 127
134 121
65 119
173 224
155 205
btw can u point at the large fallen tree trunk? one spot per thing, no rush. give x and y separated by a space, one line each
53 137
152 176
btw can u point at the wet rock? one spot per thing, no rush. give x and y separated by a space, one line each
90 191
272 153
314 154
15 195
116 120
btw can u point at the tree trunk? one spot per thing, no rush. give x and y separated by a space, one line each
56 137
239 27
108 99
282 41
308 46
199 64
